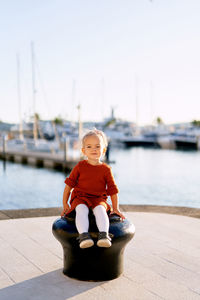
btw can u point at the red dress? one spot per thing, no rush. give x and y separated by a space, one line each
91 185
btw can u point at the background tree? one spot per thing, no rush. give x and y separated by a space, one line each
159 121
196 123
58 121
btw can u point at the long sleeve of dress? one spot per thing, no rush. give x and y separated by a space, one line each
73 177
111 185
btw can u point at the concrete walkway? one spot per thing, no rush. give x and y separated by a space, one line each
161 262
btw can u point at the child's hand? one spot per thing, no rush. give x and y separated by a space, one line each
65 210
118 212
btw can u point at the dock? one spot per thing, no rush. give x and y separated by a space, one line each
161 262
39 159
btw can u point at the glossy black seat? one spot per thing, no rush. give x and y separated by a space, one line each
94 263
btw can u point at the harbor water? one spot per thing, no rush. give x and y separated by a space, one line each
144 176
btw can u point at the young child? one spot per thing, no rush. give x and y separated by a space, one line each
92 181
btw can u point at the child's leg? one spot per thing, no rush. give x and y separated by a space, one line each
102 222
82 225
101 217
82 221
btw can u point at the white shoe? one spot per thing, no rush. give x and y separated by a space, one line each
85 240
104 240
86 243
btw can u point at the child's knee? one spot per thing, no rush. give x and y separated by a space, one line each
99 209
82 209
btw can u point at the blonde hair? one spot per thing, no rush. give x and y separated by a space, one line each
98 133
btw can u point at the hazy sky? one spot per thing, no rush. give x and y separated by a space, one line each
101 54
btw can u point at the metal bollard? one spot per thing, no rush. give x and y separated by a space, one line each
94 263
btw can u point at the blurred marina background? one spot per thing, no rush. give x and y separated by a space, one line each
131 69
144 176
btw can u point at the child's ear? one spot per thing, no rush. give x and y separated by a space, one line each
104 150
83 151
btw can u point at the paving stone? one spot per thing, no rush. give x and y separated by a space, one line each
161 262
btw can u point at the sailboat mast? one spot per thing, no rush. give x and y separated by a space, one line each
35 133
19 98
73 99
136 101
151 102
102 97
79 123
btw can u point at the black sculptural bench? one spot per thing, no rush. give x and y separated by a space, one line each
94 263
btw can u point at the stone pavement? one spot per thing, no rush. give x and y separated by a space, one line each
161 262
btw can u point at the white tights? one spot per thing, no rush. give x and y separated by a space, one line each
82 221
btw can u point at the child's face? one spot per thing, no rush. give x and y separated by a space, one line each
93 147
